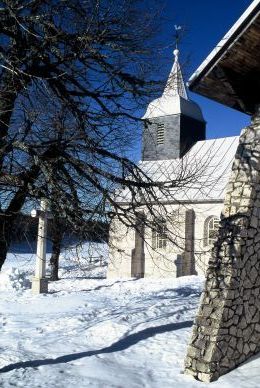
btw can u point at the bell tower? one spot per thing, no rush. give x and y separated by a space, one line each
172 123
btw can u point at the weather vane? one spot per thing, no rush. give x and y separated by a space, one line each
177 34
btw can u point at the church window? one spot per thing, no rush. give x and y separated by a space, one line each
159 238
160 133
211 230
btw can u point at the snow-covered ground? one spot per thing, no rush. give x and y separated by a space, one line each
93 332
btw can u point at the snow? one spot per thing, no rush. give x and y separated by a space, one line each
203 172
168 105
92 332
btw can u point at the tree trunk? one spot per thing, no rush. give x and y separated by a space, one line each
10 87
3 252
56 248
6 228
9 216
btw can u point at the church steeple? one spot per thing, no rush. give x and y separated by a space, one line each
175 85
173 123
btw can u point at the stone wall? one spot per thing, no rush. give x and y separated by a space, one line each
226 330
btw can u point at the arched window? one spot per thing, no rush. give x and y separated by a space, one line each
211 227
159 236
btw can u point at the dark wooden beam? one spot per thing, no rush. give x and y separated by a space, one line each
246 88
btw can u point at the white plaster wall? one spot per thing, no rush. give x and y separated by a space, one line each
121 243
161 263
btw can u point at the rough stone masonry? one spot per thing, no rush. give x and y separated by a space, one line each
226 330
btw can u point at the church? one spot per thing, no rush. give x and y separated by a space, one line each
174 144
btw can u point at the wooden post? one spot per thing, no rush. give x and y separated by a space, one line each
39 281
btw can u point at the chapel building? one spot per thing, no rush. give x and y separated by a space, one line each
174 144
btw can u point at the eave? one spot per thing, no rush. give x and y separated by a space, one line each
231 72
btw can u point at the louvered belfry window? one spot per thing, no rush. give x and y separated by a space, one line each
160 133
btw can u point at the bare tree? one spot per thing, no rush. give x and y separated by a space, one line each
73 77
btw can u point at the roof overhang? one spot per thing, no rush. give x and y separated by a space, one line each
231 72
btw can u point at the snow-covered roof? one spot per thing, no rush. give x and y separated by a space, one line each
201 175
174 99
165 106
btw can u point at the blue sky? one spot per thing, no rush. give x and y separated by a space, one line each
206 22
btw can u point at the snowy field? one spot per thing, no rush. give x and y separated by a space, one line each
93 332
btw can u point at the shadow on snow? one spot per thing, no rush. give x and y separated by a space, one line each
118 346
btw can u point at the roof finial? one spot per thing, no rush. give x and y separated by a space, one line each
176 54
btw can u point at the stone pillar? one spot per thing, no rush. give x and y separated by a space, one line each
188 260
226 330
138 259
39 281
178 263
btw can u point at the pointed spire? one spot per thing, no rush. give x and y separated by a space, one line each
175 85
174 99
